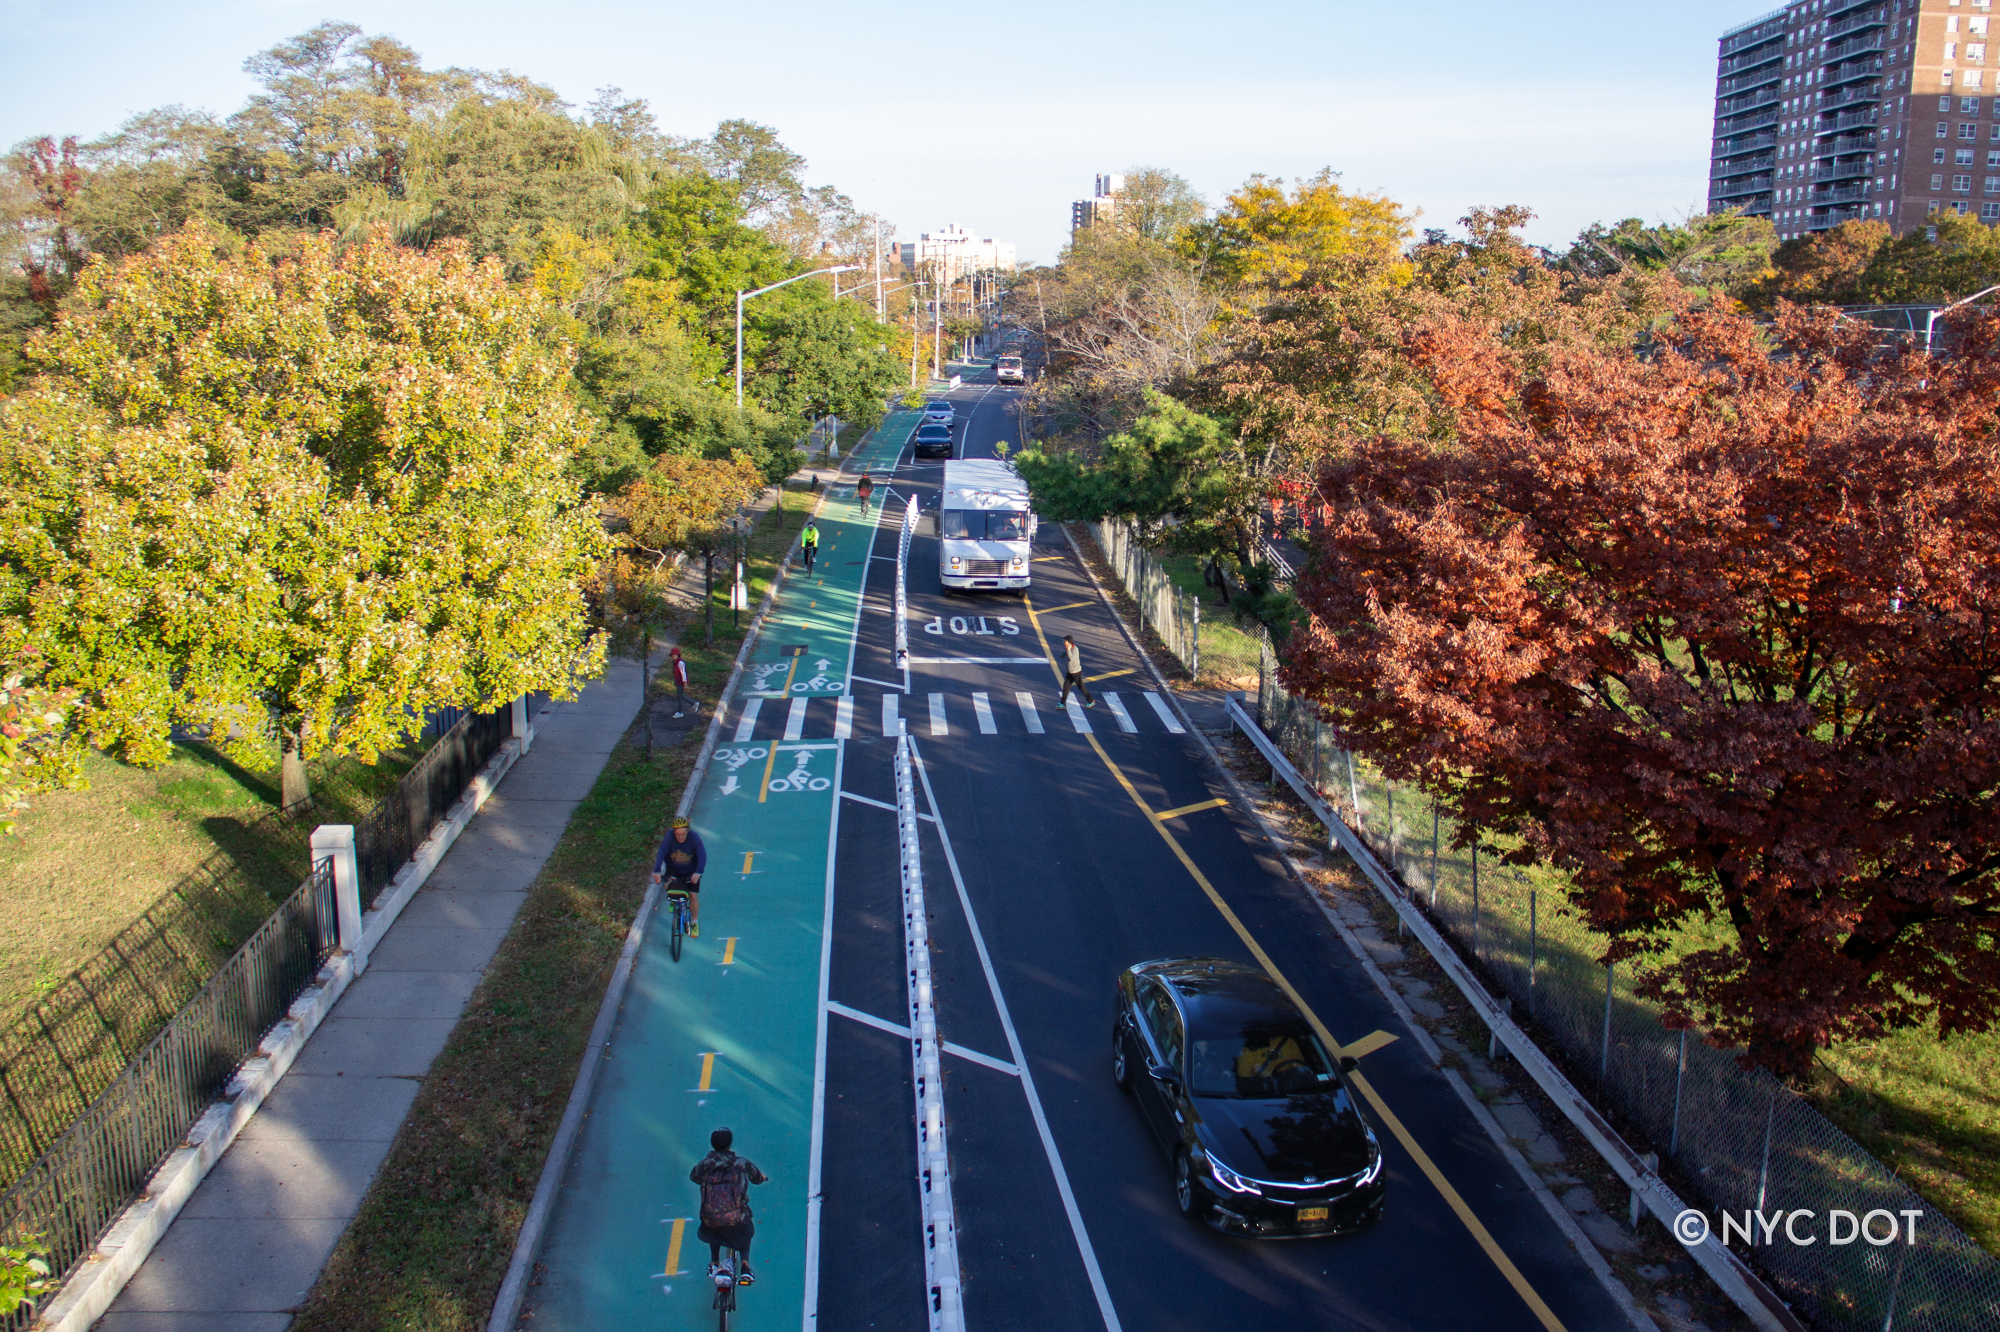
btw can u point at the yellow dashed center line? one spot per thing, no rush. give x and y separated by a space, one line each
728 951
1195 808
707 1072
748 856
674 1236
1472 1223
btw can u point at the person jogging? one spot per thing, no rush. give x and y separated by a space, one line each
681 685
680 863
809 543
725 1179
863 489
1073 674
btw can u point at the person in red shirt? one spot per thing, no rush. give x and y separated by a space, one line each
680 684
864 488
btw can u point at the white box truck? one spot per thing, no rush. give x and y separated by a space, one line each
985 528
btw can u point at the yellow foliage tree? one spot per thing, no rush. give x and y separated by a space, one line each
1267 238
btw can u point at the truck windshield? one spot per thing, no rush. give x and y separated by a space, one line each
985 525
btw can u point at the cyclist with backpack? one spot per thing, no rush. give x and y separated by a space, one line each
725 1179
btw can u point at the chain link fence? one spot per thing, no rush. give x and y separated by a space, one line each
102 1078
1171 613
1742 1140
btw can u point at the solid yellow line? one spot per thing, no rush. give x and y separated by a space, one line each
1479 1233
707 1072
1070 606
1108 675
1028 603
728 951
764 788
747 856
1191 809
1044 559
674 1246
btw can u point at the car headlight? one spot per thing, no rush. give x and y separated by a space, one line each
954 561
1230 1180
1372 1173
1020 563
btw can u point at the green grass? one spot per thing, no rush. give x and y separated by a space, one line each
437 1228
1228 654
83 864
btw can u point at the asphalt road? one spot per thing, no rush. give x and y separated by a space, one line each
1046 877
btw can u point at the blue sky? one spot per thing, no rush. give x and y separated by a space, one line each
994 117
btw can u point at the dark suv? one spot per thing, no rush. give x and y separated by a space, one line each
932 441
1255 1114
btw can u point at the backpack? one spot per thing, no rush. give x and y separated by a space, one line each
725 1194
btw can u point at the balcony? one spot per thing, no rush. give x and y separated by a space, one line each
1858 169
1735 185
1833 217
1867 44
1873 18
1732 106
1738 64
1744 144
1724 87
1861 94
1849 120
1743 166
1849 143
1843 194
1853 69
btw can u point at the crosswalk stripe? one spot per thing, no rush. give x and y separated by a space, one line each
843 718
795 720
1076 717
746 722
983 710
937 716
892 725
1029 717
1117 706
1166 713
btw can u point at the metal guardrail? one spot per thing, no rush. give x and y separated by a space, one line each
385 839
1743 1140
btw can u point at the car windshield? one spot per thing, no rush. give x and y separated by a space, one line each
933 432
985 525
1259 1060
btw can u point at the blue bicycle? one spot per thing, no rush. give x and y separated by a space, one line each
679 911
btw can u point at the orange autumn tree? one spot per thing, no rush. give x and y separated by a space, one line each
1711 625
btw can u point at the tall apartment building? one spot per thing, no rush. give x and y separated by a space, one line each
1101 206
1831 110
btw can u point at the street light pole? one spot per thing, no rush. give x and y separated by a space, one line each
742 296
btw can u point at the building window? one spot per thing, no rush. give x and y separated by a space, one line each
1959 206
1968 106
1950 52
1993 184
1963 157
1968 130
1937 182
1961 184
1975 51
1937 157
1933 208
1944 130
1989 213
1944 103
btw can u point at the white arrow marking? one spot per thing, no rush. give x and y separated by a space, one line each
823 666
729 785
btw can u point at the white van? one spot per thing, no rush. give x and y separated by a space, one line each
984 527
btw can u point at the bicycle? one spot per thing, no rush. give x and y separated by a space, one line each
725 1278
678 900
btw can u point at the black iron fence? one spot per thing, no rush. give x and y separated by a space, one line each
102 1078
101 1160
1741 1139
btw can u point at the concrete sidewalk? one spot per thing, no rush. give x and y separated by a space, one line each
251 1241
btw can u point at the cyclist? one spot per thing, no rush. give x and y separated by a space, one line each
809 544
725 1179
680 862
864 488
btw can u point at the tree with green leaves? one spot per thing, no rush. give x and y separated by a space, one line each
1180 478
307 499
688 506
1724 252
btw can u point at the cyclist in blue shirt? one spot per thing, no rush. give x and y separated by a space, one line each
680 862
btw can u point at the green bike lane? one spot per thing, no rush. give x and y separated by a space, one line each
733 1033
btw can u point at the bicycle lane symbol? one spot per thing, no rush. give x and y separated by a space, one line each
734 759
801 777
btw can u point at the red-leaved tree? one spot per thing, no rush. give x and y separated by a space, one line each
1711 625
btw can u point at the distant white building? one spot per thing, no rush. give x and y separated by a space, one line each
957 253
1102 206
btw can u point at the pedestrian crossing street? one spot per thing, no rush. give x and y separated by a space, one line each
1022 711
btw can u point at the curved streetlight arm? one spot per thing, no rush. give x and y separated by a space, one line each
743 296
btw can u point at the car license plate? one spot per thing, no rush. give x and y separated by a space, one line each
1312 1213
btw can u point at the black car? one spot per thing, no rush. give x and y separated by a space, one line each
1262 1128
933 441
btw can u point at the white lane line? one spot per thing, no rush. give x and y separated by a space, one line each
878 804
1021 1070
795 719
843 718
938 726
974 661
838 1009
869 679
1076 717
1166 713
816 1156
892 725
1117 706
747 722
982 708
1029 717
